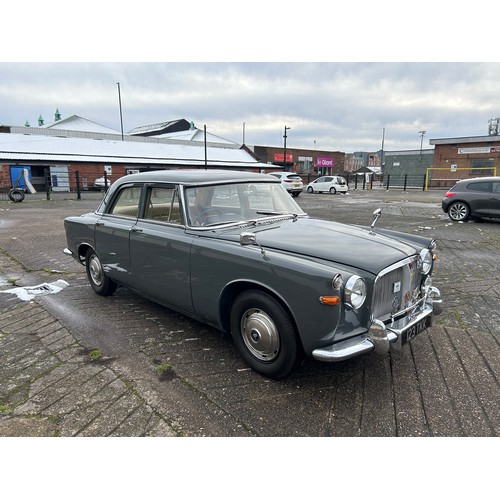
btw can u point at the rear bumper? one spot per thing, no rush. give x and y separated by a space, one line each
381 337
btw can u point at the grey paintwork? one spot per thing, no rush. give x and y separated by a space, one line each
480 195
200 271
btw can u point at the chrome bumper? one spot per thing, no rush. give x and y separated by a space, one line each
380 336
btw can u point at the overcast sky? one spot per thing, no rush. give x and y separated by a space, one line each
342 106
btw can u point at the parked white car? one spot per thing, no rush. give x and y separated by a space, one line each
332 184
102 183
290 181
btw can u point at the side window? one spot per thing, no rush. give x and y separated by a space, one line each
480 186
162 205
126 203
496 187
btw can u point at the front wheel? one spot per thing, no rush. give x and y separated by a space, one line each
264 334
458 211
310 189
100 283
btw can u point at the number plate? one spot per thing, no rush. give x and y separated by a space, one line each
410 333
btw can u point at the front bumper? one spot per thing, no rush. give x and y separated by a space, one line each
381 337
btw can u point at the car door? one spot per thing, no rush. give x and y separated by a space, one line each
495 199
112 233
479 194
328 183
160 249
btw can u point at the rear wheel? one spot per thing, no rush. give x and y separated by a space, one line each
100 283
458 211
333 190
264 334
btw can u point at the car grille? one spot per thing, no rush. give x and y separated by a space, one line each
397 289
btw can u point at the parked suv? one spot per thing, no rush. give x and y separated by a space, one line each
328 184
291 181
473 198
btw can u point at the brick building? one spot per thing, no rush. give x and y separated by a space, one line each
463 157
302 161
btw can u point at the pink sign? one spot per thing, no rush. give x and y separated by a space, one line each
325 162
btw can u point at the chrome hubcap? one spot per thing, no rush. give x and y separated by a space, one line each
260 334
95 270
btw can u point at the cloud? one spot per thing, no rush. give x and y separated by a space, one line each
335 105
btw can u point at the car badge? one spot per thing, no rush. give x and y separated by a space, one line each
407 296
395 305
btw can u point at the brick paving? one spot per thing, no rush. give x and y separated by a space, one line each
446 383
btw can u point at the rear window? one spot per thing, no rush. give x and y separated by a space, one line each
294 177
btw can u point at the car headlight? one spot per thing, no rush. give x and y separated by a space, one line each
355 292
427 260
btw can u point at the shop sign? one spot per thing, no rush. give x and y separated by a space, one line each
466 151
279 157
325 162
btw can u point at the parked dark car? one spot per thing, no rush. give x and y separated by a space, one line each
234 250
473 198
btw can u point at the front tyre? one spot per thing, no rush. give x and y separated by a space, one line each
458 211
264 334
100 283
310 190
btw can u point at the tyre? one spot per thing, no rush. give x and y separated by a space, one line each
295 194
458 211
16 195
100 283
264 334
333 190
310 189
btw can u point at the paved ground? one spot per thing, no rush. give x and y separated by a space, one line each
75 364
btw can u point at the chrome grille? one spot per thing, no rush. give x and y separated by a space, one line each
397 288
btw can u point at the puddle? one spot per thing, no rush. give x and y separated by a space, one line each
29 292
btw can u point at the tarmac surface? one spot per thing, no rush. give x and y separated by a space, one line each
76 364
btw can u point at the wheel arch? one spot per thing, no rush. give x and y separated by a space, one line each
82 251
232 290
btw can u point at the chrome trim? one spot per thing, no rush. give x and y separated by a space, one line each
381 337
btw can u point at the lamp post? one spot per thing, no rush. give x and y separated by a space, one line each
120 104
284 149
422 133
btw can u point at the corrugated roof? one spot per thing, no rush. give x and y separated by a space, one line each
76 122
20 147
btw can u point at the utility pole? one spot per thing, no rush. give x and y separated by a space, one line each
422 133
120 104
284 149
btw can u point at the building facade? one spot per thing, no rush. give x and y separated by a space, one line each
302 161
464 157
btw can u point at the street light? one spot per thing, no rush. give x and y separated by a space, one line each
284 149
422 133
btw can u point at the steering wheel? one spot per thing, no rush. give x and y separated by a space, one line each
207 211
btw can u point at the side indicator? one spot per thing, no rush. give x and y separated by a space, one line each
329 300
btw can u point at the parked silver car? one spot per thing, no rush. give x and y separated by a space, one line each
234 250
473 198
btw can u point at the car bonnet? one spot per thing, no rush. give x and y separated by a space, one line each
344 244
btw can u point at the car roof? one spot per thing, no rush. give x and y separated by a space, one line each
480 179
196 177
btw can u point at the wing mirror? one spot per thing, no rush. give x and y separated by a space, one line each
376 215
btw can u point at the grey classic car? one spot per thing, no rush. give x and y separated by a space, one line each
234 250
